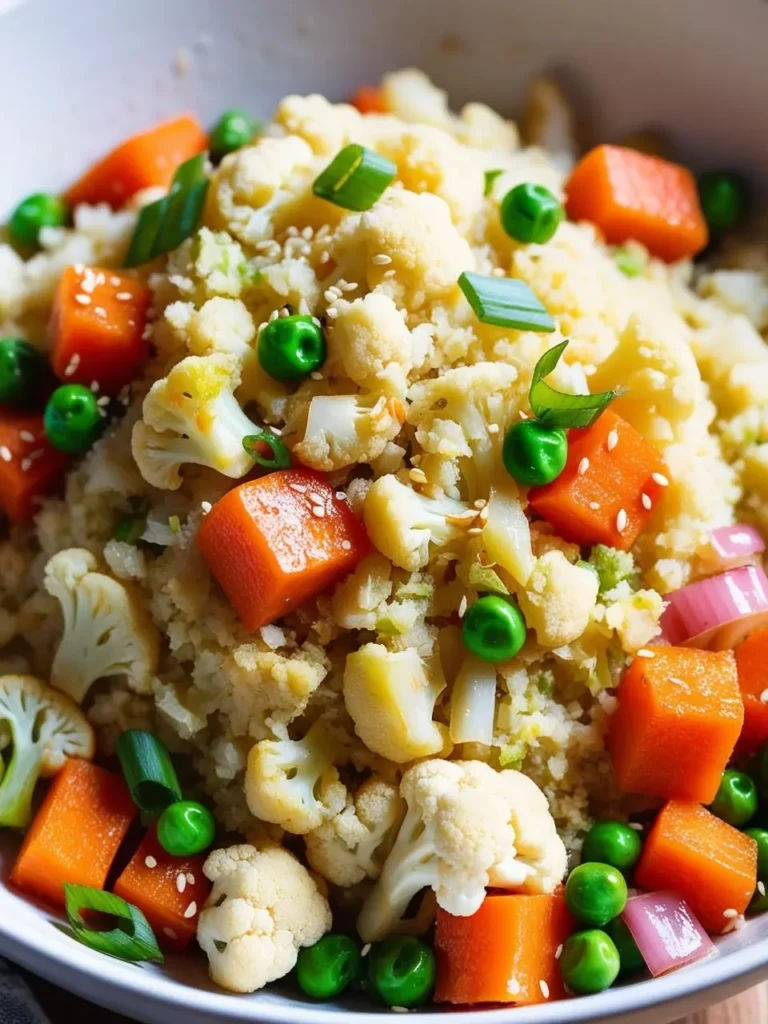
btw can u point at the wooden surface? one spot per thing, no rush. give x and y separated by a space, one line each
749 1008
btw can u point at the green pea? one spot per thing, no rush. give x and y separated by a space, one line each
589 962
736 799
724 198
611 842
530 213
130 527
21 371
291 347
40 210
533 453
326 969
234 129
759 902
595 893
186 828
493 628
72 418
630 956
401 971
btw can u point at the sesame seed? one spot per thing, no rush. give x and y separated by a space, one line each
559 951
418 476
463 606
206 507
513 987
381 259
389 273
100 312
677 681
115 281
331 294
764 697
101 279
84 300
94 386
493 428
276 431
181 882
348 286
761 888
26 464
274 315
660 479
400 1009
583 466
612 440
103 401
340 496
366 949
79 269
316 375
474 531
544 988
480 503
636 826
285 312
621 520
123 296
316 321
730 913
645 653
325 256
332 312
5 453
645 500
25 435
150 861
307 233
319 511
346 545
292 231
190 878
523 415
594 505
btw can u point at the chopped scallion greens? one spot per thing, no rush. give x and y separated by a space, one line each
131 939
630 262
130 527
490 177
355 179
191 172
556 409
505 302
483 577
281 458
148 771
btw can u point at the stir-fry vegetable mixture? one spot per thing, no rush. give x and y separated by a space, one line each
381 587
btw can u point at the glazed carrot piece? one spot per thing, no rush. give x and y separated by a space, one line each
752 668
76 833
277 541
585 503
152 882
141 161
96 330
678 718
631 195
504 953
369 99
29 466
709 863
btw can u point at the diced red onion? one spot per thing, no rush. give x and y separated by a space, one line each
731 546
717 613
666 931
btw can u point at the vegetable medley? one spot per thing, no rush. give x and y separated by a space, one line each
381 585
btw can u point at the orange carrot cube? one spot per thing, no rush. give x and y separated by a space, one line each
30 466
752 667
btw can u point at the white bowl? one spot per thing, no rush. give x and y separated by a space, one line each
78 75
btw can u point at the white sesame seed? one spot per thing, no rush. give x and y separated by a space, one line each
730 913
292 231
5 453
764 697
645 653
150 861
677 681
123 296
348 286
636 826
181 882
366 949
583 466
103 401
621 520
761 888
346 545
381 259
319 511
594 505
463 606
325 256
660 479
206 507
37 454
645 500
274 315
544 988
285 312
94 386
84 300
25 435
389 273
101 279
513 987
100 312
26 465
559 951
332 312
400 1009
612 440
191 910
418 475
190 878
523 415
115 281
170 933
79 269
331 294
307 233
316 375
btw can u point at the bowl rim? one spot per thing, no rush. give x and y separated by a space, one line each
160 992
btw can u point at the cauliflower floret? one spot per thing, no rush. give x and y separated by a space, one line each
45 729
370 339
452 414
558 599
467 827
106 629
391 698
403 524
427 252
612 567
264 906
507 532
359 599
220 327
327 127
345 429
413 97
351 846
473 702
192 416
293 783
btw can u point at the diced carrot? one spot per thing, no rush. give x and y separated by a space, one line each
171 891
678 718
752 667
504 953
97 328
29 465
631 195
709 863
369 99
279 540
76 833
141 161
611 483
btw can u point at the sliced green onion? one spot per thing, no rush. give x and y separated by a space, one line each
490 177
163 225
281 458
505 302
145 233
131 939
355 179
190 173
557 409
182 218
483 577
129 527
630 262
148 771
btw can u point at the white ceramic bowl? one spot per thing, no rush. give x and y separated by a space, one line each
78 75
